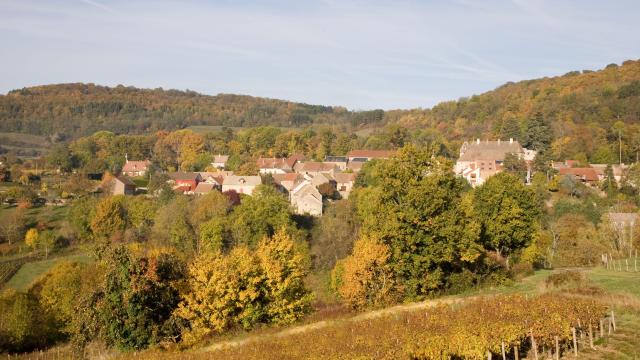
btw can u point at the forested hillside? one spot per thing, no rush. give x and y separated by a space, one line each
75 110
587 112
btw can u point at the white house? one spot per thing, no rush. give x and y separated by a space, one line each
241 184
480 160
306 199
220 161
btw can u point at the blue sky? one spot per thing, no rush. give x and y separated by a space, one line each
358 54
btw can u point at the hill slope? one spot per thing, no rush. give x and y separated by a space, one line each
81 109
582 108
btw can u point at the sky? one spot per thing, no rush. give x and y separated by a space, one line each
358 54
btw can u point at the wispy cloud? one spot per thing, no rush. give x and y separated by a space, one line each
99 5
361 54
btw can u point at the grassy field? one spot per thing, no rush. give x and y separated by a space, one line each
33 270
616 282
26 145
50 215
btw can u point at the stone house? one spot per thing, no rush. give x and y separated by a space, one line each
306 199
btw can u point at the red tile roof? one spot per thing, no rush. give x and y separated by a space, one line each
273 163
372 154
316 166
586 174
131 166
285 177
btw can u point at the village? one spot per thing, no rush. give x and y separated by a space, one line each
309 184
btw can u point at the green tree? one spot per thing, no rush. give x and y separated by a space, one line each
538 135
333 236
81 211
511 129
60 157
509 213
260 215
415 206
137 299
212 235
515 165
609 184
47 241
140 213
24 325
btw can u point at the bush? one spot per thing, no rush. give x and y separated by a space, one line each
565 278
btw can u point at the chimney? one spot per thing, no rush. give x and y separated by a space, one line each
510 140
478 141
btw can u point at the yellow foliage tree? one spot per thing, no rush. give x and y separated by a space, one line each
31 238
222 291
285 265
365 277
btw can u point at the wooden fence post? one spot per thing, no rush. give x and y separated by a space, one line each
601 328
591 336
613 320
610 325
575 342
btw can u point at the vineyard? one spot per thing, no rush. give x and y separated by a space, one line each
9 268
508 327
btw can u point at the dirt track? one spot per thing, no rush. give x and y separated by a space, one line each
326 323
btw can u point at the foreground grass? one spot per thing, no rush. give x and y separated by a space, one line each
51 216
616 282
29 272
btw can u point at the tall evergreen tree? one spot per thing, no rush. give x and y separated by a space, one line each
539 135
511 129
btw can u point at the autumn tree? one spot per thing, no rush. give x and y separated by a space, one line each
365 278
284 264
31 238
60 289
223 290
110 217
12 225
245 287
